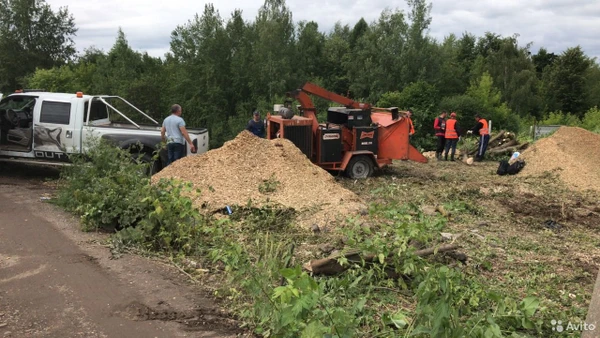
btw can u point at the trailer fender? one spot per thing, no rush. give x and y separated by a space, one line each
349 154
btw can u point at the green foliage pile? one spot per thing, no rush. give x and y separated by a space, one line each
109 189
221 68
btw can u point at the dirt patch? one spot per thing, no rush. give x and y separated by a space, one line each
57 281
573 153
253 170
212 319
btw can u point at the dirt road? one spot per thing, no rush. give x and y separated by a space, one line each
56 281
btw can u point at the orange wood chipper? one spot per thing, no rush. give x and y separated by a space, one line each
357 138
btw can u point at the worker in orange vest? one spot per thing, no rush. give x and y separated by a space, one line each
451 136
411 130
481 129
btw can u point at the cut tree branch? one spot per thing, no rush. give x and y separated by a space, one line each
330 265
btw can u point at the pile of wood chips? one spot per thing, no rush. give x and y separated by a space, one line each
574 153
236 173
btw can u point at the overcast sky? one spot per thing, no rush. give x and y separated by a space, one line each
553 24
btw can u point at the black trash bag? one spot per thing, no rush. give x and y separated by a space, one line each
510 169
514 168
502 168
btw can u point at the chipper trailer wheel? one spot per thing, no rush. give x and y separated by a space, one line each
359 167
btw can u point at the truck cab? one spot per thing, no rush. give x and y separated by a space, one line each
45 127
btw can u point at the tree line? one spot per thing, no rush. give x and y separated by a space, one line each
222 68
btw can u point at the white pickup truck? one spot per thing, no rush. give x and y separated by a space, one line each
44 128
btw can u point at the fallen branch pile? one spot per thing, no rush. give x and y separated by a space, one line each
503 143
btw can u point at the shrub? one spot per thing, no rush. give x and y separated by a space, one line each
560 118
591 120
103 186
109 189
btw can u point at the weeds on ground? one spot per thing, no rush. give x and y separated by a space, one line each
398 295
269 185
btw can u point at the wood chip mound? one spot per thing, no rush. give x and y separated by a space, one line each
236 173
573 153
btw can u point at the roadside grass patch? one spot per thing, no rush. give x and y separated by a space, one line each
253 258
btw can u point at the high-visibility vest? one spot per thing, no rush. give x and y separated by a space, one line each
450 130
485 130
412 127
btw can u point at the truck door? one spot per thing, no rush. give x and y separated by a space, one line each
54 128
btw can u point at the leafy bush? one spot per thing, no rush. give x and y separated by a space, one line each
560 118
110 190
591 120
103 186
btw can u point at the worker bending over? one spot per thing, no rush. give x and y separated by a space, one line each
439 125
481 129
451 135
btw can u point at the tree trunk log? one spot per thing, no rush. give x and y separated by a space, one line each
330 265
506 145
498 136
502 150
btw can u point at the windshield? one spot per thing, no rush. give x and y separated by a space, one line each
18 103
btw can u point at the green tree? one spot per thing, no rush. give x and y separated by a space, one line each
274 51
32 36
592 85
359 29
377 59
422 99
542 60
336 58
310 48
490 99
565 82
200 72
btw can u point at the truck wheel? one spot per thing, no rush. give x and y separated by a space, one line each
359 167
153 166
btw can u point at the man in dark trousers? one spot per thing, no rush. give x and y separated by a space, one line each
453 131
256 126
173 132
439 125
481 129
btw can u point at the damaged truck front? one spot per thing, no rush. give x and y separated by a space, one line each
45 128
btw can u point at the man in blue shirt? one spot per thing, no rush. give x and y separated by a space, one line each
256 126
176 135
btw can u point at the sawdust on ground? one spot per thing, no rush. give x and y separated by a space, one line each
572 152
233 175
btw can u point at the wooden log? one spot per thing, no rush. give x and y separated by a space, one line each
499 135
330 265
502 150
506 145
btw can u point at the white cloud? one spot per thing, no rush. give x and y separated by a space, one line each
553 24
